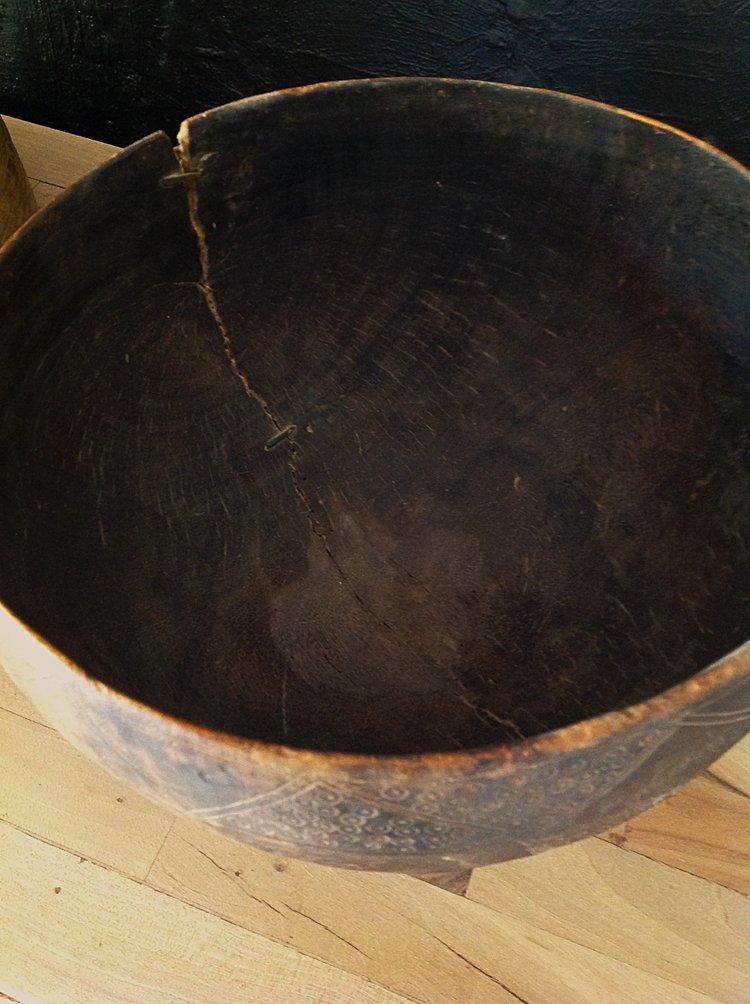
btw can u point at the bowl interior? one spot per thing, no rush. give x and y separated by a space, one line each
454 450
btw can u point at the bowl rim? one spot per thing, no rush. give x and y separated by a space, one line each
406 82
730 668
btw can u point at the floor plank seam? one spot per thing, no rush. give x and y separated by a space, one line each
407 998
74 853
32 721
727 784
219 915
665 864
161 848
41 181
649 973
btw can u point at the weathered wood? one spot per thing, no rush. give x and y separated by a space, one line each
561 927
386 448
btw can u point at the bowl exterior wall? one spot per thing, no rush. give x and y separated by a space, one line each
432 813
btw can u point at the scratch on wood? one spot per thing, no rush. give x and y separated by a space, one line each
625 610
486 713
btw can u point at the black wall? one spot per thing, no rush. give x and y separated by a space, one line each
116 71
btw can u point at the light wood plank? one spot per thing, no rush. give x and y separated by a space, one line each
426 943
50 790
13 699
704 830
16 200
361 922
55 157
45 193
734 767
75 933
457 882
626 907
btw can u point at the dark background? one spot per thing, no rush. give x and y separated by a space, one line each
115 71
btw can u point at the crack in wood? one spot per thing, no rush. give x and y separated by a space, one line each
283 431
233 877
326 928
209 294
480 970
281 435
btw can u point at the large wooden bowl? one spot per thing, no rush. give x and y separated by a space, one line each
375 474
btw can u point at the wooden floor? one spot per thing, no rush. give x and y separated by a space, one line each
105 897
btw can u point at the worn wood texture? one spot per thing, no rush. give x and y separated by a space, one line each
590 892
397 498
178 934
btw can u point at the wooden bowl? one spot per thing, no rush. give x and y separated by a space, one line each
375 474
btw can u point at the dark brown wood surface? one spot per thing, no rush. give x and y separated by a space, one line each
397 418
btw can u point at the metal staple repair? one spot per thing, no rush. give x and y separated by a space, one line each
280 436
183 177
179 178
